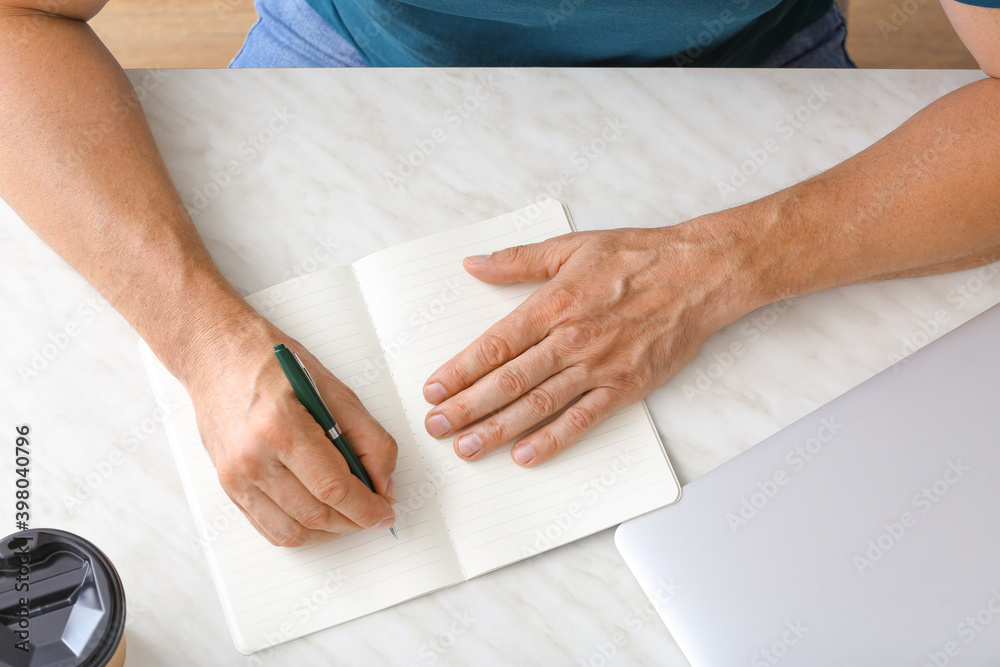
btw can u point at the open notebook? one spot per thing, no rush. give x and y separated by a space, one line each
383 325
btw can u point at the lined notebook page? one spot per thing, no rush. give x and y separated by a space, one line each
426 309
273 594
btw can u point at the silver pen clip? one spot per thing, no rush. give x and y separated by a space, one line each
335 431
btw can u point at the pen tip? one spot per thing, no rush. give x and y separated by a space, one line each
392 531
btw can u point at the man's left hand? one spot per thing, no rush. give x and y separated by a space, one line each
621 312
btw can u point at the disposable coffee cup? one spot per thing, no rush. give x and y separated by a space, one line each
61 602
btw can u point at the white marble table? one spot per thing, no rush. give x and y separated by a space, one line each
289 171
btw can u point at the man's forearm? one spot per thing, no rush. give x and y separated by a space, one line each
78 163
924 199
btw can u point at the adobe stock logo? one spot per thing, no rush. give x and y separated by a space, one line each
923 502
722 361
796 459
786 127
772 654
977 621
452 119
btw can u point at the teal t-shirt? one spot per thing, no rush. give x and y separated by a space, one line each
468 33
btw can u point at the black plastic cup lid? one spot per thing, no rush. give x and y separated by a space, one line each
60 598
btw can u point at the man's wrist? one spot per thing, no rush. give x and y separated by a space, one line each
212 321
221 335
776 257
745 258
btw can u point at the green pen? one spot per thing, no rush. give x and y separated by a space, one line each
307 392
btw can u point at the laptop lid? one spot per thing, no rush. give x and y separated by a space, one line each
866 533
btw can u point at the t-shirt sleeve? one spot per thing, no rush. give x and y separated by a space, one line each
981 3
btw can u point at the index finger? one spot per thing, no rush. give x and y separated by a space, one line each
315 461
368 439
528 324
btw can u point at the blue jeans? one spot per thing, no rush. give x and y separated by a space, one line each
823 44
289 33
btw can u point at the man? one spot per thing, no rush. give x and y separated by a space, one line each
622 310
728 33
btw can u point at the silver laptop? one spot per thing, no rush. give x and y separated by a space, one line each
866 533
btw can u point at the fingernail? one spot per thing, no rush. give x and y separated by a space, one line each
387 524
438 426
477 259
524 453
470 444
390 487
435 393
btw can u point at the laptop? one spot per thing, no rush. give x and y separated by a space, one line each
866 533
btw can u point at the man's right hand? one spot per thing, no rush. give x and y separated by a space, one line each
273 459
81 168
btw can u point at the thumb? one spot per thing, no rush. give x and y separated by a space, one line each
524 263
